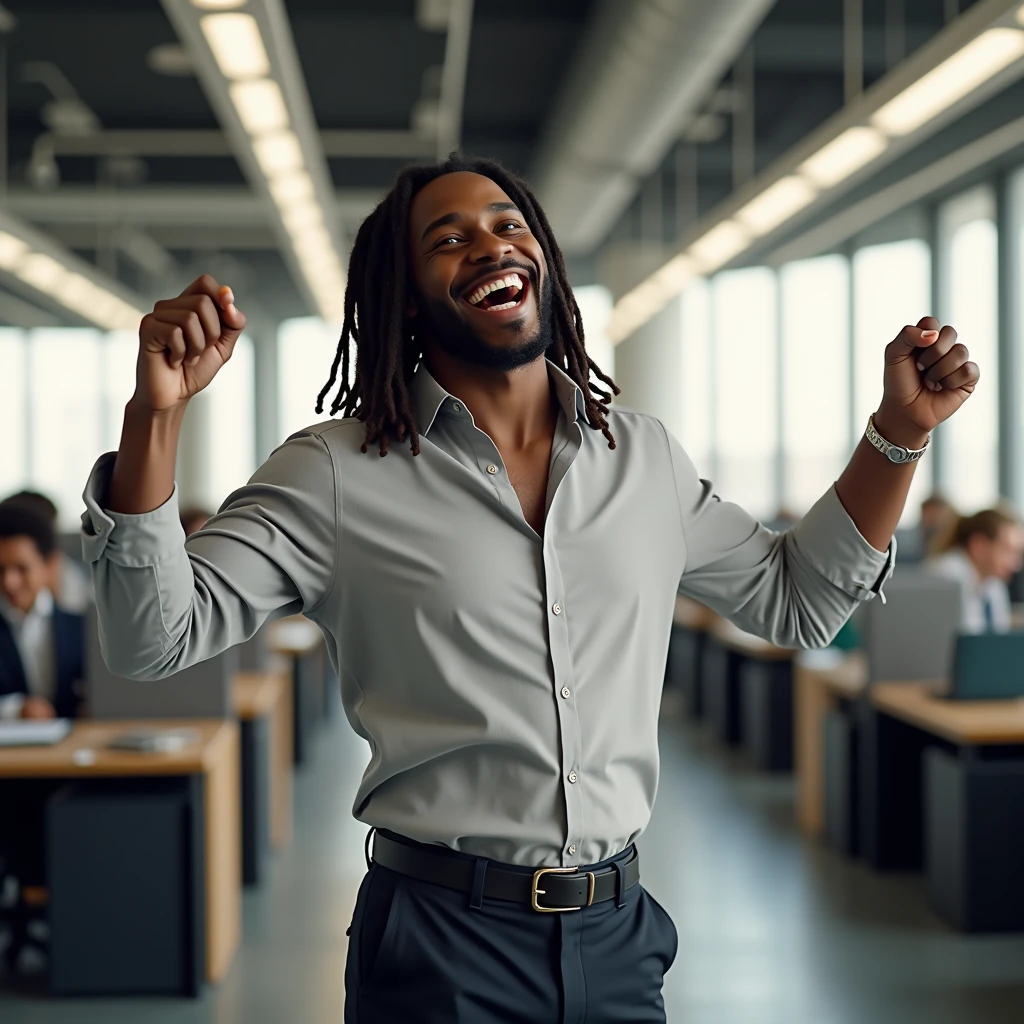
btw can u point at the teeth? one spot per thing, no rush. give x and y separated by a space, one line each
511 281
503 305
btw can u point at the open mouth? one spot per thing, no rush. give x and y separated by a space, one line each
499 294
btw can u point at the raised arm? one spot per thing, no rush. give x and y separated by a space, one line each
164 604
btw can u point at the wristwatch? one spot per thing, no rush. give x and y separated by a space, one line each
893 452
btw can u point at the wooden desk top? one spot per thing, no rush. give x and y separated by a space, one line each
971 723
692 615
746 643
215 738
294 636
255 694
843 674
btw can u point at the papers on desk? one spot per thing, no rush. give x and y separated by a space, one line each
34 732
154 741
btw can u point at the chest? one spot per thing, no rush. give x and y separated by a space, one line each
528 475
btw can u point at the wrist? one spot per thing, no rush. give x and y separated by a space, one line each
899 430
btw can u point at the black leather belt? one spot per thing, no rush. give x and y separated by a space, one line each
546 890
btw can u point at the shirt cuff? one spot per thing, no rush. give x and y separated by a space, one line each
10 706
829 540
128 540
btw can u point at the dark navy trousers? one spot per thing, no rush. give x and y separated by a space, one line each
419 953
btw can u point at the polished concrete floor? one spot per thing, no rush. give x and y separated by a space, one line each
772 930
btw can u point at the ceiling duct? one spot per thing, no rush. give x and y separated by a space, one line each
642 71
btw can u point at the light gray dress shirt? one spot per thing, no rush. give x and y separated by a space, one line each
508 685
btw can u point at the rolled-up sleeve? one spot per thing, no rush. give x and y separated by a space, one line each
794 589
164 603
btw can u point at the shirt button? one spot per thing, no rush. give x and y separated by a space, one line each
572 850
457 407
492 469
556 608
573 777
565 692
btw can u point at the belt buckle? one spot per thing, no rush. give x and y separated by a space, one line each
535 892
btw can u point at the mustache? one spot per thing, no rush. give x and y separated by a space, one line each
506 264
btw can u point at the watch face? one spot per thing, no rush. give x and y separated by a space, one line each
897 455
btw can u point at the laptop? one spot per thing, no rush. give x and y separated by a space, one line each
34 733
988 666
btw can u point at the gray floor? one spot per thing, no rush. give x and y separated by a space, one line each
772 930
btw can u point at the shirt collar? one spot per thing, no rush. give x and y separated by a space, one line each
43 608
430 399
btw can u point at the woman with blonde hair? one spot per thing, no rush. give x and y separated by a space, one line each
982 553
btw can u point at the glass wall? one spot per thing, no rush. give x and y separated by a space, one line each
746 367
814 296
891 288
305 351
13 414
968 274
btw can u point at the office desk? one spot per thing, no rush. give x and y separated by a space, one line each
821 681
211 767
300 641
749 694
946 787
691 623
262 702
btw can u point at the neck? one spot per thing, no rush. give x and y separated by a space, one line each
515 408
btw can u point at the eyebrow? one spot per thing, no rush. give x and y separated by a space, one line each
453 218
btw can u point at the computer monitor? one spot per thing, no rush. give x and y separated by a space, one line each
988 666
912 635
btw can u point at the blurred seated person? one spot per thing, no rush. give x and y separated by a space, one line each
194 519
71 584
982 553
915 544
42 646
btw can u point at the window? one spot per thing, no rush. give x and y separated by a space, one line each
891 288
595 302
816 445
696 387
968 276
305 351
13 411
746 370
64 389
230 427
120 355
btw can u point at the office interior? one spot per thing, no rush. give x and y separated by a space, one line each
753 197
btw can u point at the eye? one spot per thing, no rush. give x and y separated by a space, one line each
513 224
447 238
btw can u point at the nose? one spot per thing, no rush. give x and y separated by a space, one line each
489 248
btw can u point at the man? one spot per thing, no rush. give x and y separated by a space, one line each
41 644
69 583
497 592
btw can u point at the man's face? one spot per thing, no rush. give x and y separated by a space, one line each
466 237
1002 557
23 572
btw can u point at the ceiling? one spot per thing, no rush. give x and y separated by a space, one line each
155 219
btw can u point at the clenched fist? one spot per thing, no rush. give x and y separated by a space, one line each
184 342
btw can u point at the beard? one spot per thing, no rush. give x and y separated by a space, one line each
453 335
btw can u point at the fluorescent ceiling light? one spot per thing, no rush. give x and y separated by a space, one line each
1020 14
292 189
776 204
42 272
278 153
236 44
300 216
260 105
11 250
968 68
719 245
218 5
676 274
843 156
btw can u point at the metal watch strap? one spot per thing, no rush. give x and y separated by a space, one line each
893 452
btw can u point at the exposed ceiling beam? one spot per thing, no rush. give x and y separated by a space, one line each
246 62
212 142
18 313
453 77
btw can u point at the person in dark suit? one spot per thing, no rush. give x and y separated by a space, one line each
42 646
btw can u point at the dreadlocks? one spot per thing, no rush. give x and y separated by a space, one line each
375 322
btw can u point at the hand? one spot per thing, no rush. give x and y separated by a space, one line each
928 377
37 707
183 343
